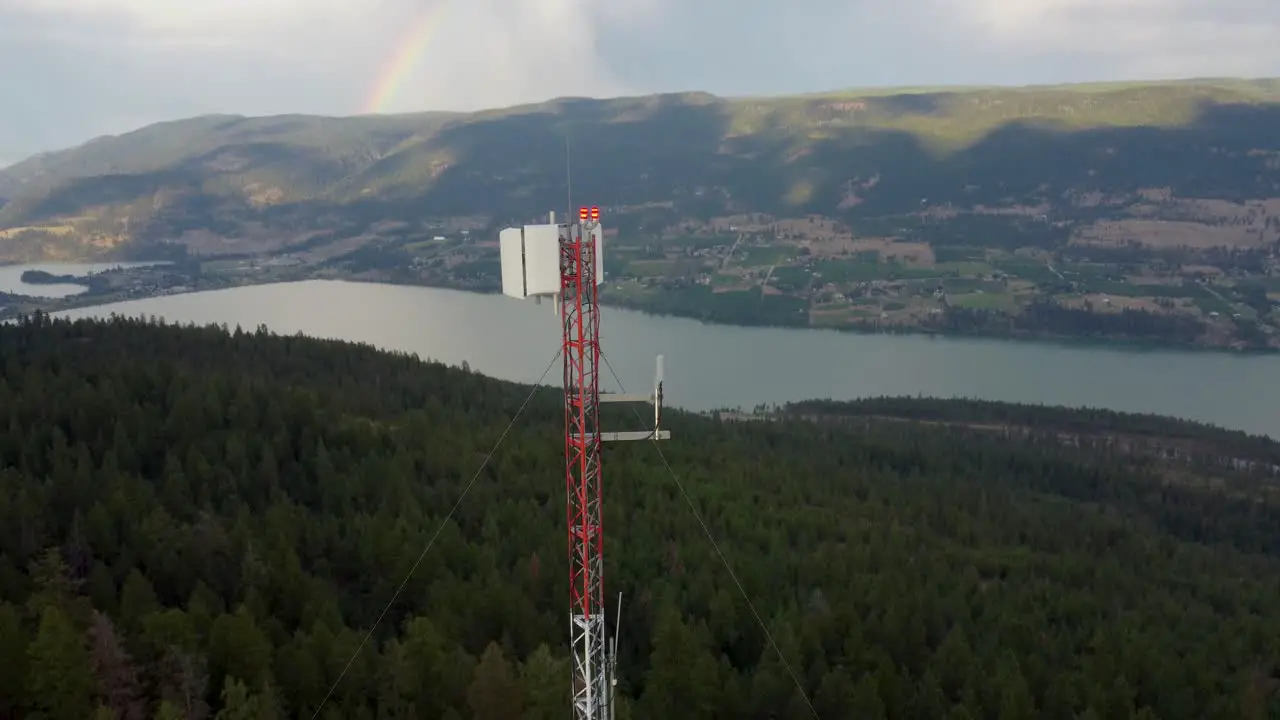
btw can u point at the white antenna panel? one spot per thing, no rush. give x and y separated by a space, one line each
511 246
597 234
530 260
542 259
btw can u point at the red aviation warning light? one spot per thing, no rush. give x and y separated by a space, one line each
595 213
582 213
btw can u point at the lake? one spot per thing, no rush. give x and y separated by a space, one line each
714 366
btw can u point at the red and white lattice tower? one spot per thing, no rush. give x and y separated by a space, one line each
566 263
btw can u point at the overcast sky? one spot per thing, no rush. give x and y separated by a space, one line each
74 69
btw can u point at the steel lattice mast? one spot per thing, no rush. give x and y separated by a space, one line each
580 314
564 262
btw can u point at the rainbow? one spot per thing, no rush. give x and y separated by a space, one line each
404 60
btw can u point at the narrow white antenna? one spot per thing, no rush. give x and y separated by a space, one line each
613 664
555 299
657 397
568 189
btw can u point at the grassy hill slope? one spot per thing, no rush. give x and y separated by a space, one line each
657 158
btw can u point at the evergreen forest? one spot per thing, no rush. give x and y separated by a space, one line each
199 523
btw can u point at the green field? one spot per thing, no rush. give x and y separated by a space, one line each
1145 290
726 280
758 255
846 271
1212 303
665 268
962 285
1036 272
964 268
984 301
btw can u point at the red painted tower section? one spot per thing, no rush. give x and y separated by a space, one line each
580 314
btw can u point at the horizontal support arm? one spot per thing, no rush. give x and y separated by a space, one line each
632 435
619 397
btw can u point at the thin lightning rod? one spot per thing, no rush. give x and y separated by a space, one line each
568 177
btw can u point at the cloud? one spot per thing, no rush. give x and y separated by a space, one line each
478 53
226 18
1148 38
78 68
484 53
758 46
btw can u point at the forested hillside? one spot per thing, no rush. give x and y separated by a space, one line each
200 524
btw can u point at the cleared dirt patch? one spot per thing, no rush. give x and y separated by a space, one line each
1166 234
1233 211
255 241
750 223
841 246
947 211
809 228
1203 208
339 247
911 253
744 221
59 230
261 196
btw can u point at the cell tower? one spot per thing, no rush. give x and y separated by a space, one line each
566 262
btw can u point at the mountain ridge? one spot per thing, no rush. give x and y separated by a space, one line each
1122 209
750 115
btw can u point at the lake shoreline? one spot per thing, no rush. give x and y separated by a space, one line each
714 366
91 298
1115 343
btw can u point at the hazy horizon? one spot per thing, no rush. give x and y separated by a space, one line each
97 67
9 159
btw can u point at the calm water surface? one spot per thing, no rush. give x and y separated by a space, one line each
712 366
